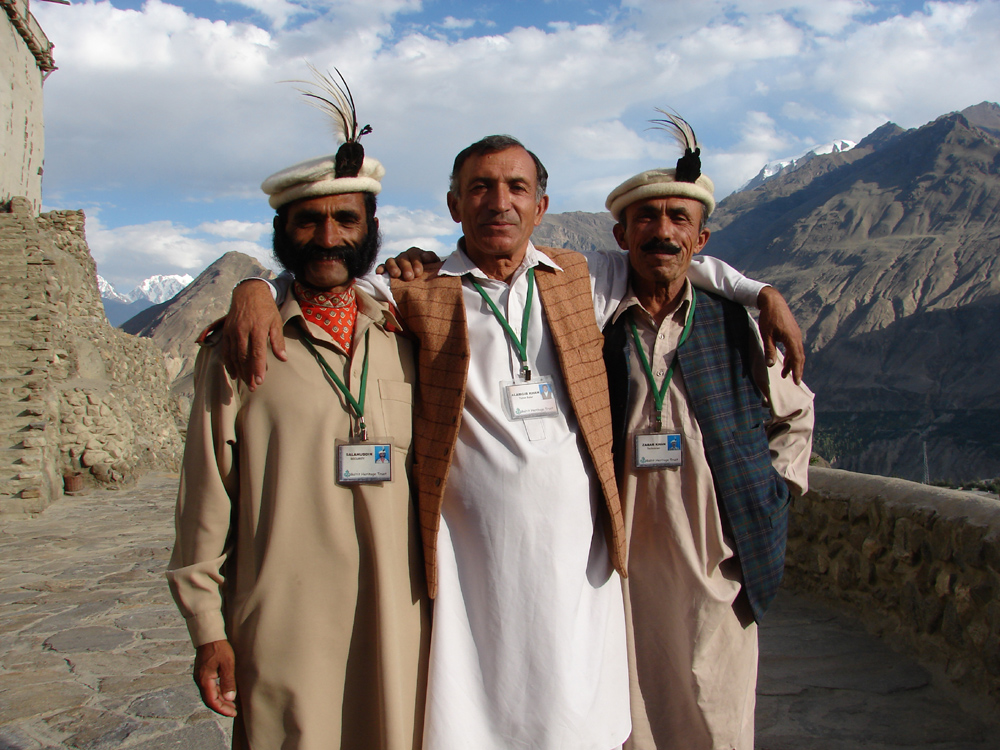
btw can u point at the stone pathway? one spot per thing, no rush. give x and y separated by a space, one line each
94 655
825 684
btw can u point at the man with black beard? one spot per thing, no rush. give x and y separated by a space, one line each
297 563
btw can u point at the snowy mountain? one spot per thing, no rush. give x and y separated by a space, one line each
159 289
783 166
108 291
154 290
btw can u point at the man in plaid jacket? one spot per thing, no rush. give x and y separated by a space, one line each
709 444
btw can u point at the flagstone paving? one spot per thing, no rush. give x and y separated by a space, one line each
94 655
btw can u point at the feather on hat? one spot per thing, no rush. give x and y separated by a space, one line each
685 180
347 171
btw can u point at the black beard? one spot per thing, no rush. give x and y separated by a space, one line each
658 245
358 259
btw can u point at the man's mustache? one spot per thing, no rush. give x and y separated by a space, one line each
311 251
659 245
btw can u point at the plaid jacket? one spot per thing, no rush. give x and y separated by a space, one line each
753 497
434 315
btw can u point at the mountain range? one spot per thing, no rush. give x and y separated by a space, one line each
151 291
888 254
175 323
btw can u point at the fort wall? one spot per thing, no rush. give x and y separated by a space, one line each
25 61
78 398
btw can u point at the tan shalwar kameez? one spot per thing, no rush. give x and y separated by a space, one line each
319 587
692 664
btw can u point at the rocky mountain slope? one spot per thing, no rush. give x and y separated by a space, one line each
175 324
578 230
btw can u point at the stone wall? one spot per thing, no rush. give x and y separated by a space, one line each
919 565
80 396
25 60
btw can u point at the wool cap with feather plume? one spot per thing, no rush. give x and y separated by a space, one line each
347 171
685 181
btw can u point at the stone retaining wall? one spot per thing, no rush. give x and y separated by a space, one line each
78 396
919 565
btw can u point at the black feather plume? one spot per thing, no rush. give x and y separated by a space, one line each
689 165
335 99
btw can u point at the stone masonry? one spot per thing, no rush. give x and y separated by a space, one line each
919 565
78 396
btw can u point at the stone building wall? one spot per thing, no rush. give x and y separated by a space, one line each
919 565
25 60
79 396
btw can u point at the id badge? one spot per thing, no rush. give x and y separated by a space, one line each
364 463
658 450
529 399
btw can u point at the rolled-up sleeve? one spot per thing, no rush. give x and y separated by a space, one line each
793 416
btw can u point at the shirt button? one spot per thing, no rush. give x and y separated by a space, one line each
661 337
659 373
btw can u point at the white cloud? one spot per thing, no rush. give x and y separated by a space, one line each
125 254
157 107
832 16
605 141
927 64
450 22
402 228
760 141
251 231
278 12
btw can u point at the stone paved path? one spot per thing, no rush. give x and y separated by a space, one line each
93 654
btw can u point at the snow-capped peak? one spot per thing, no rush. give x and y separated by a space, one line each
779 166
108 291
159 289
155 289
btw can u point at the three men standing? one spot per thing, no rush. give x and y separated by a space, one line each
523 532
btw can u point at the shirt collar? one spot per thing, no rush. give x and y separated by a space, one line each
680 314
459 264
382 315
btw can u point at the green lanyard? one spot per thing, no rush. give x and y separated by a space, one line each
660 393
521 345
358 405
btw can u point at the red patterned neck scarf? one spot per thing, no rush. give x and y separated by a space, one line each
334 312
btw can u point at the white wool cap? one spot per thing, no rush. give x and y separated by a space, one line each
659 183
315 177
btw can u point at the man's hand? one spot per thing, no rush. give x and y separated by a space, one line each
253 320
777 324
409 265
215 676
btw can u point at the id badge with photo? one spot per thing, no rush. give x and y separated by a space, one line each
529 399
364 463
658 450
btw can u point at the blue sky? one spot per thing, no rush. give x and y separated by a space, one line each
164 118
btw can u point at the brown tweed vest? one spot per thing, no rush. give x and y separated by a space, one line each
434 314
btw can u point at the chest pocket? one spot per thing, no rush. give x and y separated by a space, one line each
397 410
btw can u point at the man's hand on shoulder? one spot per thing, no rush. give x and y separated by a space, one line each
252 322
409 265
215 676
777 325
